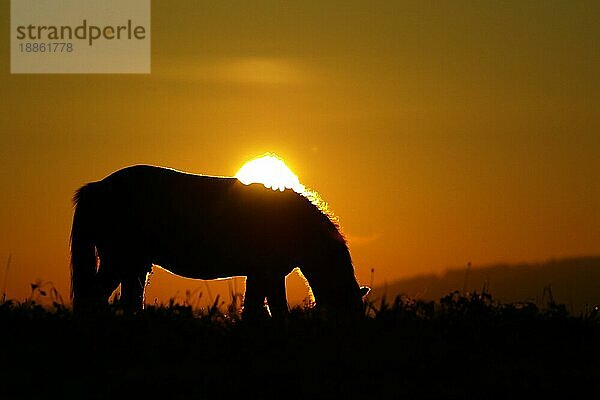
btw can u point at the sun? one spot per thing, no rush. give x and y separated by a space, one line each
271 171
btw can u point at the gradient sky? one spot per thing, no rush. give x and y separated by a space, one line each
439 133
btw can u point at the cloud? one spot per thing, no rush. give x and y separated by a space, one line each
258 70
239 70
362 240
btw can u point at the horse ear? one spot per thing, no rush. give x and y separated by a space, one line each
364 290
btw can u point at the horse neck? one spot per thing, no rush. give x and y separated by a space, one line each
330 273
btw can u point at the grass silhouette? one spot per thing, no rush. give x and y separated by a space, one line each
465 345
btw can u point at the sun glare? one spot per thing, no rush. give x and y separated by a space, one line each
272 172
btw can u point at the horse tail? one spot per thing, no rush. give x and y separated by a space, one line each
83 250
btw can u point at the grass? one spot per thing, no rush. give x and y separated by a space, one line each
465 345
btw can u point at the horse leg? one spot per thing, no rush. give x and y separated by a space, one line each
133 285
254 298
107 281
276 297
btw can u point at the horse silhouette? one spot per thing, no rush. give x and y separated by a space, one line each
204 227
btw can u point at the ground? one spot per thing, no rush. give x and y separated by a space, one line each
463 346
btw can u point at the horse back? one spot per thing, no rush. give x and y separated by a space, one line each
181 221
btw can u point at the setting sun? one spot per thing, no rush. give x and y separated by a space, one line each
271 171
353 198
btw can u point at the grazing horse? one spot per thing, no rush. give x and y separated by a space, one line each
204 227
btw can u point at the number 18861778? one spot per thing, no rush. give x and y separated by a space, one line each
50 47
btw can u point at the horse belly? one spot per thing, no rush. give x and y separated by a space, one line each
204 270
213 262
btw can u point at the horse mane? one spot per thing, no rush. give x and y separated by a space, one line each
327 216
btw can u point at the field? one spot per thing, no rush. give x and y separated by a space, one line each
462 346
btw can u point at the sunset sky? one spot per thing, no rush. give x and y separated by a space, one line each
439 133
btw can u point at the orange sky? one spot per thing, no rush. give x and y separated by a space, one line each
439 135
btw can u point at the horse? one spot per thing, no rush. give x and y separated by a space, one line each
205 227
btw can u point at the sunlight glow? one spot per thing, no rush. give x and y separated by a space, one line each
272 172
